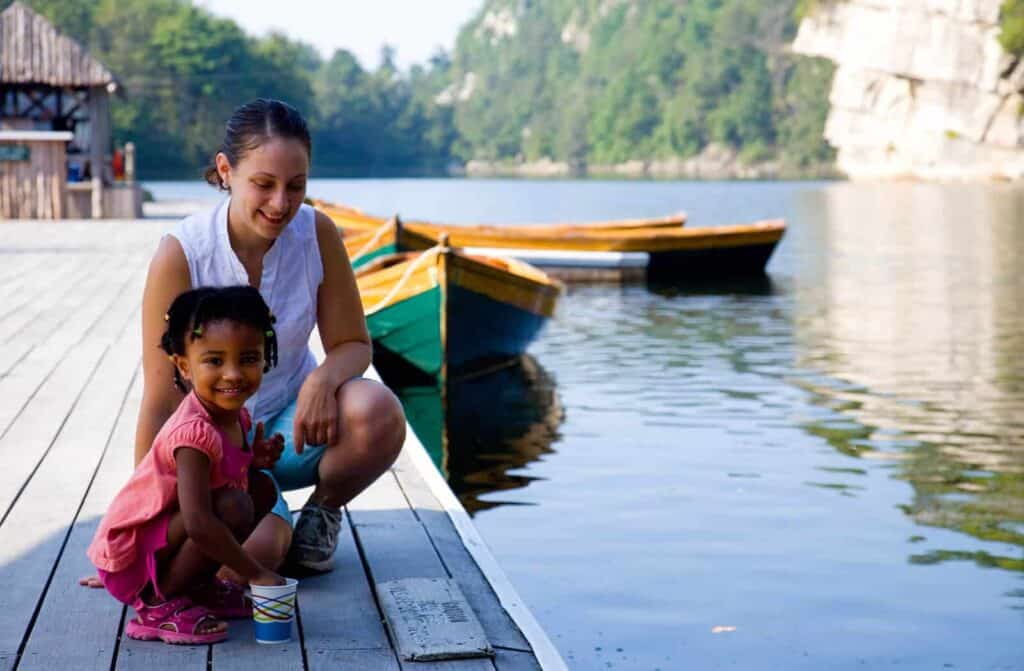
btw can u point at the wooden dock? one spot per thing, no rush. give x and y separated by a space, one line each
70 386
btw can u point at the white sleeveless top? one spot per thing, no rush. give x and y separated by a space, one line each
292 273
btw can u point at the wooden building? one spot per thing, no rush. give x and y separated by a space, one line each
55 135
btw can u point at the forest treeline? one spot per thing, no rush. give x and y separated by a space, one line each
582 81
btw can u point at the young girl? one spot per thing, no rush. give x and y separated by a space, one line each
197 494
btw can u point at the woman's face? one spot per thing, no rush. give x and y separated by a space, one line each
267 185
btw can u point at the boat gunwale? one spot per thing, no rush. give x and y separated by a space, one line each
503 274
645 240
360 220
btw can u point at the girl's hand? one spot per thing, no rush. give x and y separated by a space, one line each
316 414
267 577
266 451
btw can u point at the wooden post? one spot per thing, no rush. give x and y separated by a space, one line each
129 162
99 142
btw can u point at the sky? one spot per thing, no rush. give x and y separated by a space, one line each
415 27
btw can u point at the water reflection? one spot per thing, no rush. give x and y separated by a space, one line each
914 338
755 285
482 428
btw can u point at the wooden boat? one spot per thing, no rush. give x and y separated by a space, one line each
661 250
352 219
652 253
658 253
442 312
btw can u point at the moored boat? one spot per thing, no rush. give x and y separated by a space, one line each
441 312
715 251
582 252
365 245
351 219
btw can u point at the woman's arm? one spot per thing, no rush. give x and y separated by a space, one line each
344 336
202 526
168 276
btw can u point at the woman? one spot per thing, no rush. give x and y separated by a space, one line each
341 431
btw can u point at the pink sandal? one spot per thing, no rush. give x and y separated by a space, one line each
224 599
176 621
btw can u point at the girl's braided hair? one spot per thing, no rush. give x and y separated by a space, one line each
193 310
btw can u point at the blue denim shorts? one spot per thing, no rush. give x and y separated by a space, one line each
292 470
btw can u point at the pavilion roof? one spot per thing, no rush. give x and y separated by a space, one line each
33 51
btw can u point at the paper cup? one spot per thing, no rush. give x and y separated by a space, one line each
273 610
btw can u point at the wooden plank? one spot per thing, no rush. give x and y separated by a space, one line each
28 438
33 535
385 500
337 610
19 268
78 627
26 365
43 321
363 660
395 545
38 296
135 655
393 551
515 660
241 652
38 291
501 629
429 619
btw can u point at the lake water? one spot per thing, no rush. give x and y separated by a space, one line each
824 469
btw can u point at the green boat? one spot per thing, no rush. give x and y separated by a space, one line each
440 312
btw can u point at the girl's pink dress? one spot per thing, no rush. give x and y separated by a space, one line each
135 526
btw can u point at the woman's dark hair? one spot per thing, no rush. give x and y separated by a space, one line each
254 123
193 310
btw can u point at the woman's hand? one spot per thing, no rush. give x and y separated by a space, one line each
266 451
316 413
267 577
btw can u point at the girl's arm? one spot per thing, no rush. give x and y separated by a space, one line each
345 339
204 528
168 276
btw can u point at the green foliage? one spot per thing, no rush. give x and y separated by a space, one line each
805 7
183 70
593 81
1011 20
582 81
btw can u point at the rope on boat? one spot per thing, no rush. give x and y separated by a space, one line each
381 230
420 261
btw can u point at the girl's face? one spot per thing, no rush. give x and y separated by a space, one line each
267 186
224 365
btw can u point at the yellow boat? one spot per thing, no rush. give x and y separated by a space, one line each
350 218
441 311
654 253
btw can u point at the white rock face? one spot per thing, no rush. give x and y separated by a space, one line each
498 25
922 88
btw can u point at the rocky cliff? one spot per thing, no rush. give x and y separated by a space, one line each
922 88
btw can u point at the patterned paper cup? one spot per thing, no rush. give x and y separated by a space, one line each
273 610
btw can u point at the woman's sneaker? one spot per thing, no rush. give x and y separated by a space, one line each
315 537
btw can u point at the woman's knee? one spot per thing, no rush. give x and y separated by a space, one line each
235 509
372 417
